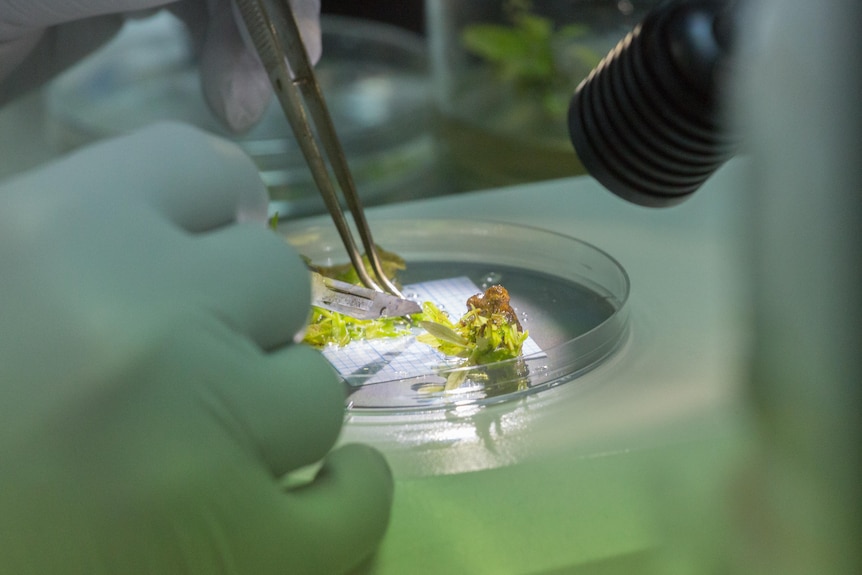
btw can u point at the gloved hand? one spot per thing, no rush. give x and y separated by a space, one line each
151 396
40 38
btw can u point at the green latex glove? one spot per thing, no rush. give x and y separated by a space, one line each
151 397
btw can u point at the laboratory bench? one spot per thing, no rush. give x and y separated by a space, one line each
617 471
600 474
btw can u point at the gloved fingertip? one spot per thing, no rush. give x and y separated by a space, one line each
307 14
234 83
238 96
312 39
373 462
360 478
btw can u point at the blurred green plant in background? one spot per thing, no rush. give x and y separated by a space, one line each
533 55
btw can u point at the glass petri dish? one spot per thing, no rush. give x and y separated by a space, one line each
570 296
374 77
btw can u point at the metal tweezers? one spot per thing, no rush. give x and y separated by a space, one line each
276 38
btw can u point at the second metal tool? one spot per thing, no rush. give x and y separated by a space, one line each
276 38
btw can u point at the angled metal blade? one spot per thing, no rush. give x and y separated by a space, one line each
357 301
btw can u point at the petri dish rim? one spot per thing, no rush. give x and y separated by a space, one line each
576 265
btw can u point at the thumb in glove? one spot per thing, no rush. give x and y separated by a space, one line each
235 84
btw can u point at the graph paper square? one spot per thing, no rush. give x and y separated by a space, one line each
385 359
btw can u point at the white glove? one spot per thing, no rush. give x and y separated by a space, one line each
151 396
39 38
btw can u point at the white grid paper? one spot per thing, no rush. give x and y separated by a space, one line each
385 359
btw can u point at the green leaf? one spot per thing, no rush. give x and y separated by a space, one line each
495 43
455 379
444 333
536 29
273 222
572 31
331 328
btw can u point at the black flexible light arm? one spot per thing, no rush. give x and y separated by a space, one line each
648 123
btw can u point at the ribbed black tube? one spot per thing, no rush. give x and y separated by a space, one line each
647 123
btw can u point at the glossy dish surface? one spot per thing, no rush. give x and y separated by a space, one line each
569 295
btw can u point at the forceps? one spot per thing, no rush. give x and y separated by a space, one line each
276 38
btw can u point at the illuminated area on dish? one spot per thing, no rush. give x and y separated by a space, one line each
569 295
